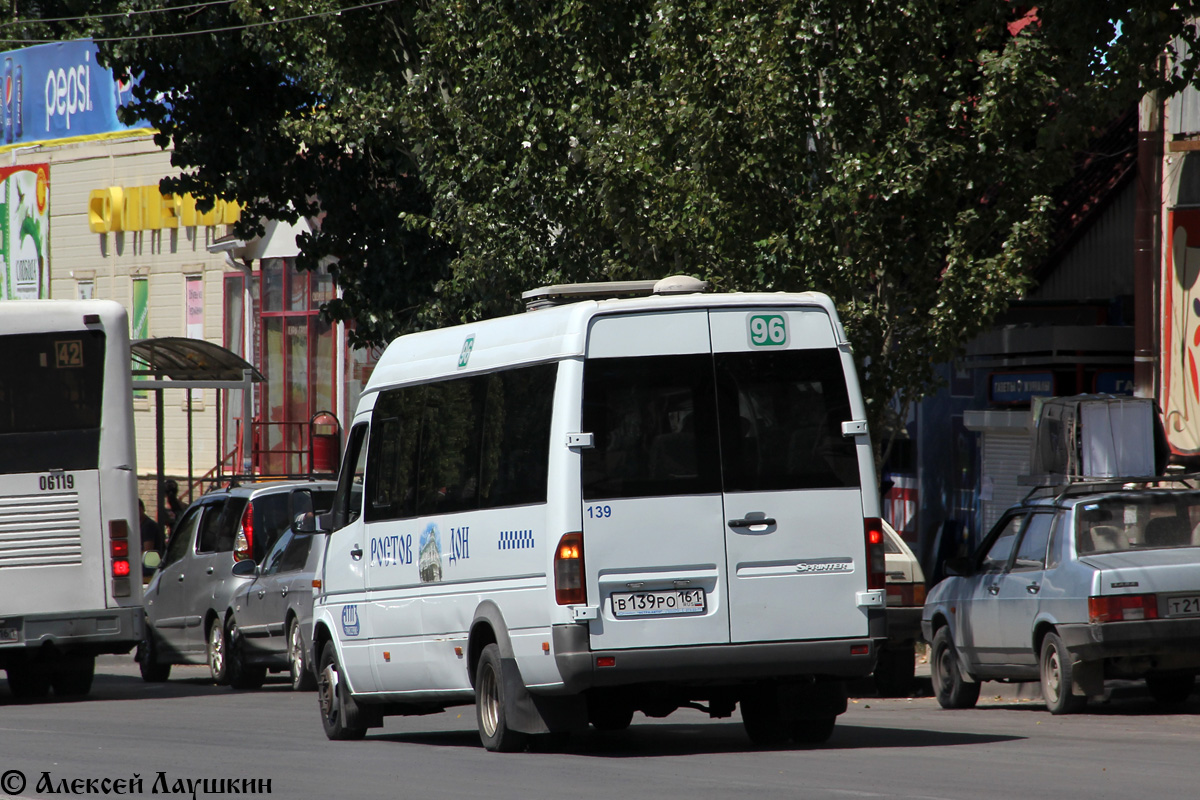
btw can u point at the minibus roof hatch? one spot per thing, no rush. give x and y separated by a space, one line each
560 294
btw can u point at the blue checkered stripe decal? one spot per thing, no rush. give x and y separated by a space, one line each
516 540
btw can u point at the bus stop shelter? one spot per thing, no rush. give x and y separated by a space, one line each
181 363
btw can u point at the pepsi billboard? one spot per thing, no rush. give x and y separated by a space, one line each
58 91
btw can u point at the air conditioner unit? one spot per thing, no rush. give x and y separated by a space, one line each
1091 436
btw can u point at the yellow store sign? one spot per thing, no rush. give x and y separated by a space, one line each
145 208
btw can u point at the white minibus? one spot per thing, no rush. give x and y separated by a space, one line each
69 536
602 507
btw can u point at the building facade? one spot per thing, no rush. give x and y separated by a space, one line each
82 216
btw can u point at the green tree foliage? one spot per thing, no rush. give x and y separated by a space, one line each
897 155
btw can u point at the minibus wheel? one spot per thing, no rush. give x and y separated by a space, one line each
331 692
489 705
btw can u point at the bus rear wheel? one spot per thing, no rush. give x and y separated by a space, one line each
27 682
72 676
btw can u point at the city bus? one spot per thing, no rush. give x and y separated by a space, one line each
70 587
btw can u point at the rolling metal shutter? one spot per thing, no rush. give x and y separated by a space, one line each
1005 456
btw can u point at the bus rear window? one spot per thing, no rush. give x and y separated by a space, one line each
51 390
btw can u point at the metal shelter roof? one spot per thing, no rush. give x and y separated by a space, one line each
177 362
181 359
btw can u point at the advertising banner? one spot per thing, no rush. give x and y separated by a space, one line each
25 231
58 91
1180 400
139 325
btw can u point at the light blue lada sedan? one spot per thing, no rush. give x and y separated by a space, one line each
1074 586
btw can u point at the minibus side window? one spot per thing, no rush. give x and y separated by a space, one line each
653 421
781 421
482 441
516 437
451 430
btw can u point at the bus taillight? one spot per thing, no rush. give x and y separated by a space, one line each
118 536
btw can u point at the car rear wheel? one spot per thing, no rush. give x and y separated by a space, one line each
218 653
1057 677
948 684
338 723
1170 688
240 674
302 676
147 658
490 712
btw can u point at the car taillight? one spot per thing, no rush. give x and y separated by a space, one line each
1122 607
118 538
876 562
243 545
569 587
906 594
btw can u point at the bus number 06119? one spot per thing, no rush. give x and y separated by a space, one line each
54 483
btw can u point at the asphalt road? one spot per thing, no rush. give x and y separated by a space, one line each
189 730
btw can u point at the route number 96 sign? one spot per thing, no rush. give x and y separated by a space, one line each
768 330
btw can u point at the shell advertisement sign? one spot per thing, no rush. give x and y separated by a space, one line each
25 232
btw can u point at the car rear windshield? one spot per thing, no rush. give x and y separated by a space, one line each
1137 522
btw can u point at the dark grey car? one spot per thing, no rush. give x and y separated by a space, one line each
188 599
270 614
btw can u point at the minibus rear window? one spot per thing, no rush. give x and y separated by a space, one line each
698 424
781 420
653 421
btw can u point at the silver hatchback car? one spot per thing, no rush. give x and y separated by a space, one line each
1070 588
188 600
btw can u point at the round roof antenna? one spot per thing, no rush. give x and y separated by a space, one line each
680 284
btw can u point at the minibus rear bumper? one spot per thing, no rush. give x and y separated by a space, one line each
583 668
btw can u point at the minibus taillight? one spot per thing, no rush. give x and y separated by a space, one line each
118 537
876 564
569 588
243 545
1122 607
